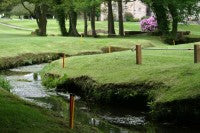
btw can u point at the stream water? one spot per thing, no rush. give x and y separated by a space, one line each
108 119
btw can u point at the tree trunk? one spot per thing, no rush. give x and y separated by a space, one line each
61 19
40 12
121 22
73 22
85 24
92 14
162 18
89 16
111 25
174 13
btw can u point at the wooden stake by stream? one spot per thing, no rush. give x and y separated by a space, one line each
71 123
138 54
63 65
196 53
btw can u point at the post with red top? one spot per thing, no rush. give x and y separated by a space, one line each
71 123
63 65
138 54
196 53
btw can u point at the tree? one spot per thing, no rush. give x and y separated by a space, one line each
84 6
94 4
40 14
19 10
160 10
60 10
111 25
72 19
7 5
178 9
120 15
93 9
89 7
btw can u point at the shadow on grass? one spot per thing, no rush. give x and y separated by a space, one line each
14 35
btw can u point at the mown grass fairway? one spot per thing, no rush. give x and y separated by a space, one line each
164 66
15 42
174 69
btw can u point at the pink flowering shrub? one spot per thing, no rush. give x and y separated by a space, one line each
149 24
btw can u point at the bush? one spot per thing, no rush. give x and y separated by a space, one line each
129 17
4 84
144 17
149 25
136 20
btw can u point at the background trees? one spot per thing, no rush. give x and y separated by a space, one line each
7 5
178 10
19 10
166 12
60 11
39 13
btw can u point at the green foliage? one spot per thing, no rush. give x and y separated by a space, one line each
7 5
53 81
35 76
128 17
61 14
180 11
4 84
19 10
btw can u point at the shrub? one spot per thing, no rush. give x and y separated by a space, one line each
4 84
149 24
128 17
144 17
136 20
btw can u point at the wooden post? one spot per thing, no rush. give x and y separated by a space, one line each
71 123
109 49
138 54
81 39
196 53
63 65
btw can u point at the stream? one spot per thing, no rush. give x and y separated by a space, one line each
26 83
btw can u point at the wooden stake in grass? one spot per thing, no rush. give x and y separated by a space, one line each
174 42
109 49
63 65
81 39
196 53
71 123
138 54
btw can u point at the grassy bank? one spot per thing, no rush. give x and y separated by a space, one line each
165 77
17 115
27 59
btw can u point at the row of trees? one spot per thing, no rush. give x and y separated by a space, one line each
177 10
164 10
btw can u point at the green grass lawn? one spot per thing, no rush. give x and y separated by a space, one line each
175 69
53 28
14 42
17 115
